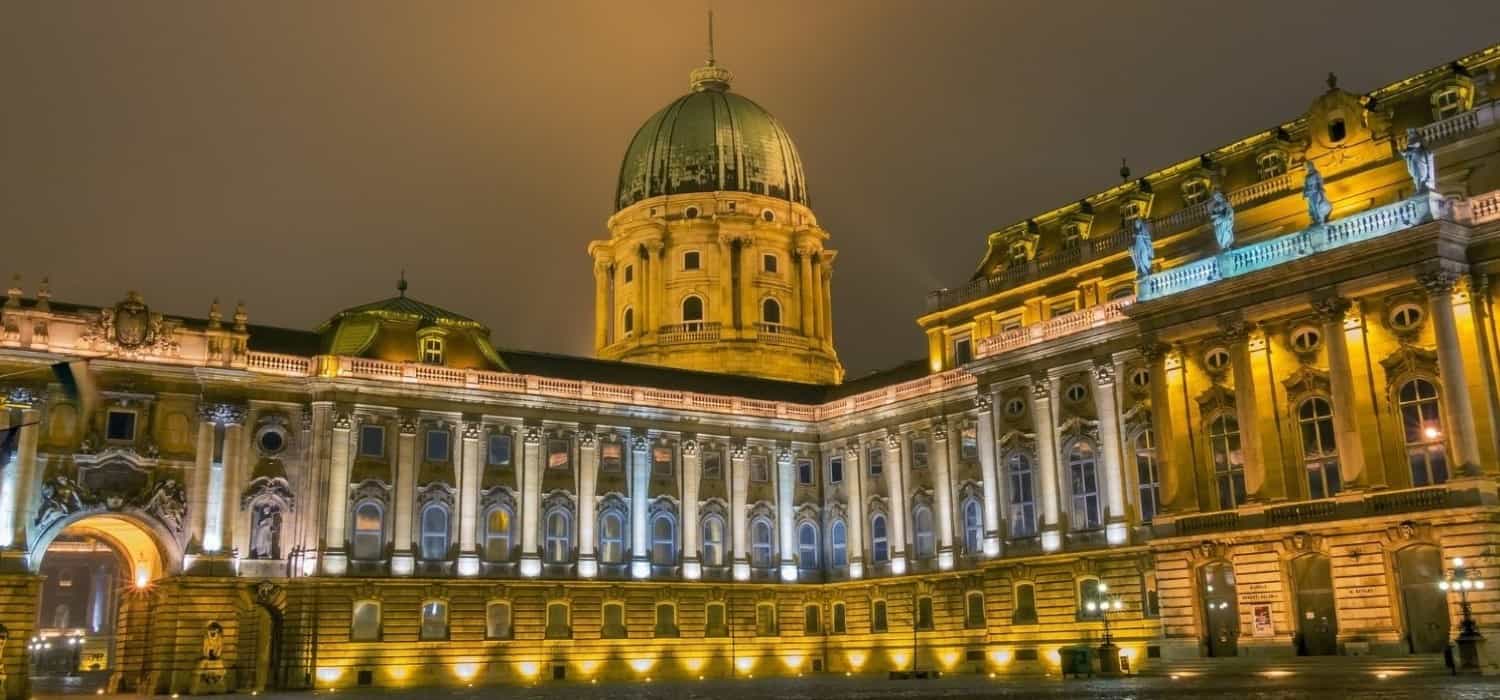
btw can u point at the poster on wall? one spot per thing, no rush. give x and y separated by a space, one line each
1260 620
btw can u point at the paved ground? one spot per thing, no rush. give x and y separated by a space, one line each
829 687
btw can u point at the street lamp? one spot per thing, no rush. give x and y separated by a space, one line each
1102 604
1462 580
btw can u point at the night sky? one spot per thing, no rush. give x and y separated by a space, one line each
298 155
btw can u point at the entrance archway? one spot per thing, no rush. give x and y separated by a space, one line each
1317 620
260 664
1424 606
1221 610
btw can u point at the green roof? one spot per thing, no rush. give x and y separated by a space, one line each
404 308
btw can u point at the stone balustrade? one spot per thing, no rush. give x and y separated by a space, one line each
1341 507
1482 116
1053 328
690 332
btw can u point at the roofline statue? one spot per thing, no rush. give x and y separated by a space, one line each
1419 163
1318 206
1221 213
1141 251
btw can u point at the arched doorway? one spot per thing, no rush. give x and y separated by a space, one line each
1221 611
1424 606
1317 620
259 666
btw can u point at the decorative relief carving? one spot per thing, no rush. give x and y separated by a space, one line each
1104 375
130 329
587 440
533 435
343 421
222 413
472 431
689 448
1438 283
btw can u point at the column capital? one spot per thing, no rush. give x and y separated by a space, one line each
1438 283
22 397
851 452
983 402
1332 308
533 435
1233 328
1104 374
406 426
343 421
940 430
738 452
1154 350
689 447
472 431
1041 388
587 440
784 457
233 414
892 440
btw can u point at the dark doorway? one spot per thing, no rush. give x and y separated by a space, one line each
1317 621
1424 606
1221 610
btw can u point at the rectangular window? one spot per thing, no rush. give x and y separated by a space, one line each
1062 308
770 263
877 617
963 350
805 472
497 621
434 620
120 425
1088 592
919 453
610 456
432 351
1025 608
559 453
876 456
760 469
629 274
968 443
661 461
924 613
366 623
974 609
836 470
713 464
437 445
371 441
499 452
691 260
765 620
840 622
1011 324
812 620
1151 606
558 624
714 621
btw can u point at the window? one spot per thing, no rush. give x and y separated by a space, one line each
765 620
434 620
805 472
559 624
497 534
1019 253
919 453
1229 466
1151 603
1422 429
878 621
120 426
1216 360
1015 408
760 468
924 613
968 443
1022 502
838 536
1147 474
807 547
713 625
974 609
713 464
1140 378
628 321
836 470
432 351
1088 591
1123 291
769 263
770 312
437 445
963 350
767 215
1270 164
612 537
973 526
1075 393
812 620
663 540
611 456
369 531
1306 339
713 540
691 260
760 543
1194 190
271 441
499 450
558 544
1133 209
1406 317
692 313
1025 609
661 461
666 620
365 625
629 273
876 457
1062 308
1447 102
1071 236
840 618
880 544
497 620
921 525
1084 486
613 624
1320 454
559 453
434 533
1337 129
371 441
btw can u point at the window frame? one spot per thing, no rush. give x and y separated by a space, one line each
489 621
364 441
373 635
550 539
426 635
807 551
692 260
507 537
1083 467
435 541
880 543
1224 443
1321 461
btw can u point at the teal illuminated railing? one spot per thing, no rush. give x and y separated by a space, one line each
1263 254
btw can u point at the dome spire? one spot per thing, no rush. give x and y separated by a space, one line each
710 76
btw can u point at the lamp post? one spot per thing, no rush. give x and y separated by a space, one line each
1102 604
1462 580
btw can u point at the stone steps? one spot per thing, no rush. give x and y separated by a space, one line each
1416 664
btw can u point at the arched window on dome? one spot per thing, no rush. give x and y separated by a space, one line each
627 321
692 313
770 312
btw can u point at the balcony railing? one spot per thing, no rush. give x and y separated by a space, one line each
1053 328
1456 127
690 332
1342 507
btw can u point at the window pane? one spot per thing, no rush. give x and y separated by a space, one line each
497 621
437 445
499 452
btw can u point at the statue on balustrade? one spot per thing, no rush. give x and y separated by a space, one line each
1419 163
1141 252
1318 206
1221 213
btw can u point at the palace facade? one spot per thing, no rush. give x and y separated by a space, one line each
1245 405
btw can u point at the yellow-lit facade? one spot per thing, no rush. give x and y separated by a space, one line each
1278 457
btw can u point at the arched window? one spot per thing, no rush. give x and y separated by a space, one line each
812 619
807 546
1229 462
1024 610
713 540
434 620
974 609
559 535
1320 453
435 532
921 525
365 626
627 321
1084 481
760 543
497 620
838 536
1022 504
369 531
765 620
973 526
663 540
666 620
713 621
879 542
840 618
559 621
1422 429
924 612
878 620
612 537
1147 474
770 312
612 621
497 534
692 312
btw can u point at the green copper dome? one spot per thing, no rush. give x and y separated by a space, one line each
711 140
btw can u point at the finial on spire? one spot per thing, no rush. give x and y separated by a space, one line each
1333 81
1124 170
710 76
710 37
401 284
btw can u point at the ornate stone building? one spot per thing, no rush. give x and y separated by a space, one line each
1249 400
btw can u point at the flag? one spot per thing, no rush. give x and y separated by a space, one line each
78 383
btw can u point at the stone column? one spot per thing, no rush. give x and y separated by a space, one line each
468 499
236 451
403 562
198 484
855 526
1046 457
531 501
1463 440
656 296
640 505
896 492
21 485
692 565
784 512
588 477
602 312
1332 311
1112 467
815 264
1236 337
807 300
984 419
317 430
1176 488
641 313
218 535
335 533
749 313
942 489
826 296
728 313
739 491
